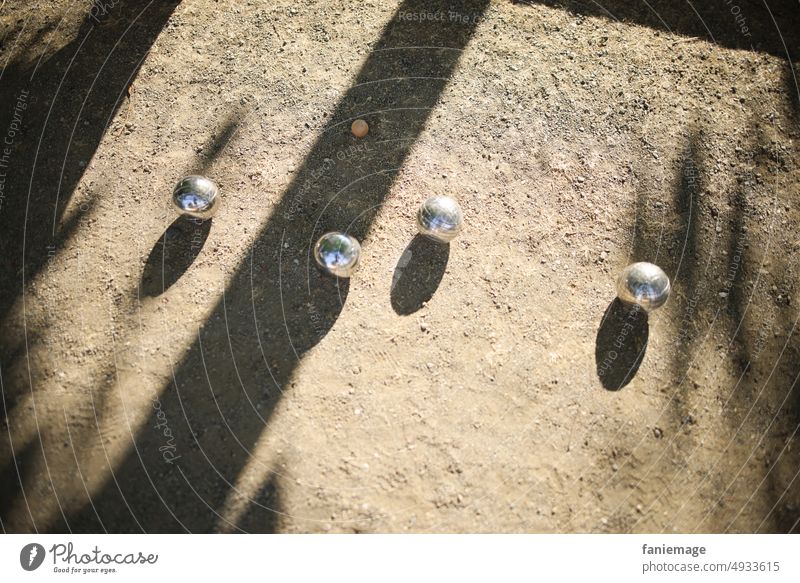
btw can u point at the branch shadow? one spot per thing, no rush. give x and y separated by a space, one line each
268 509
12 479
418 273
277 306
767 325
689 294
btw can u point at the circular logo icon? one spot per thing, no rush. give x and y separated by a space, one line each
31 556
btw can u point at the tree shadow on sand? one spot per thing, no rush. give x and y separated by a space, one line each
771 27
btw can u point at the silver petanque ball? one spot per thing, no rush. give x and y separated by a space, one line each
643 284
440 219
337 253
196 196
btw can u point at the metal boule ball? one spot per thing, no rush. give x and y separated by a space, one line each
196 196
337 253
643 284
440 219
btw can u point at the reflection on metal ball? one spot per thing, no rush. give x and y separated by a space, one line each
196 196
337 253
643 284
440 219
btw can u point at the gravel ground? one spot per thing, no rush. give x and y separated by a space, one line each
159 375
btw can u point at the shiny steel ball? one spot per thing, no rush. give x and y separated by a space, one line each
360 128
440 219
643 284
337 253
196 196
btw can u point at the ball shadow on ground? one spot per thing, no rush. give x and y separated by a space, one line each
621 344
173 254
418 273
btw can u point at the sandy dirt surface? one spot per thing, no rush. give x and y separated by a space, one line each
164 376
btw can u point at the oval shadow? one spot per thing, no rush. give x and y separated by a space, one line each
418 273
173 254
621 344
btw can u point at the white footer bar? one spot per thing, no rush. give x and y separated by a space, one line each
406 558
